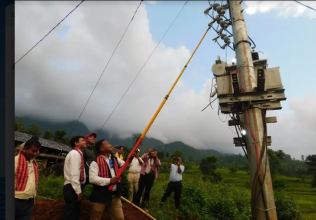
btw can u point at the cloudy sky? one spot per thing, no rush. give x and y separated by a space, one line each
54 81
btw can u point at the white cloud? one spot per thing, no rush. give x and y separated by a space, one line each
298 127
284 8
55 80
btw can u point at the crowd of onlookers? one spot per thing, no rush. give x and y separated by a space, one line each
91 162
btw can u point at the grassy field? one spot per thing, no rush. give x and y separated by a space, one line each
233 185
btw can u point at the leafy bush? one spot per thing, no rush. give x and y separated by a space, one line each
192 200
286 207
233 169
278 184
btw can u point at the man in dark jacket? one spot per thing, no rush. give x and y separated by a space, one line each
88 154
102 174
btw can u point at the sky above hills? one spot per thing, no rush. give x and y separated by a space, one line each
54 81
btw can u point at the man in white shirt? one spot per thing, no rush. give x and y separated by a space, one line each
133 173
102 174
74 175
175 184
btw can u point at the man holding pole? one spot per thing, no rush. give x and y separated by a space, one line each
102 174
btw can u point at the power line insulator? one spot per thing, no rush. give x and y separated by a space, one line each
255 55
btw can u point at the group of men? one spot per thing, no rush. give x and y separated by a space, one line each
91 162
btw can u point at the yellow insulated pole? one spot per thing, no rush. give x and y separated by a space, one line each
158 110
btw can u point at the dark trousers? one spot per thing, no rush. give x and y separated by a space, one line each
72 205
23 209
145 182
175 187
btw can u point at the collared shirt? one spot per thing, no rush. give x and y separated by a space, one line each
119 155
135 166
149 165
94 177
29 191
145 165
89 155
72 167
174 175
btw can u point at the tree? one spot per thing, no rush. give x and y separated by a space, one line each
177 153
208 165
34 130
311 164
48 134
302 157
167 154
161 155
19 125
59 135
275 162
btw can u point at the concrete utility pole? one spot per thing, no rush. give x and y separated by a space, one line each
263 205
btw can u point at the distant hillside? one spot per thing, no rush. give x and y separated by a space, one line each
81 129
189 153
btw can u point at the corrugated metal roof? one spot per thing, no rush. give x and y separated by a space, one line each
23 137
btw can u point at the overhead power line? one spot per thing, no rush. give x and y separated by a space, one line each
305 5
48 33
143 66
105 68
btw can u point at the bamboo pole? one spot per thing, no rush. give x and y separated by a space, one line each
157 112
146 213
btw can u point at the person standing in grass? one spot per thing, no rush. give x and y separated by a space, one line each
75 176
148 174
26 179
102 174
175 184
133 173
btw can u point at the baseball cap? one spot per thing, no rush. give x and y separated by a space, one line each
92 134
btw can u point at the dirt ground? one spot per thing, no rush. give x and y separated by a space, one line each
54 210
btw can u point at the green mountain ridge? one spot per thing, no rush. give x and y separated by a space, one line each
189 152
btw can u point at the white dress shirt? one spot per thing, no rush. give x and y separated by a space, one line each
174 175
135 166
94 177
72 167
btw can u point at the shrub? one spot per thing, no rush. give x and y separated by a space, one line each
278 184
233 169
192 200
286 207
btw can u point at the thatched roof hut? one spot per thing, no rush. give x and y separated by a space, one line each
23 137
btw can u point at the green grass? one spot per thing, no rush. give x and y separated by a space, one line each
300 190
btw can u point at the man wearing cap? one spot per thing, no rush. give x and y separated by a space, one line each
135 166
89 154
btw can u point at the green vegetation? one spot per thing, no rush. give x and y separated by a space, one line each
214 187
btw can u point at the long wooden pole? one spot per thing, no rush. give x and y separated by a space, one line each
157 112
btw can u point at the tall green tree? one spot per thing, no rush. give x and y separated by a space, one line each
34 130
59 135
48 134
208 165
19 125
177 153
311 164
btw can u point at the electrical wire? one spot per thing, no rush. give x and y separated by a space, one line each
47 33
143 66
305 5
105 67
